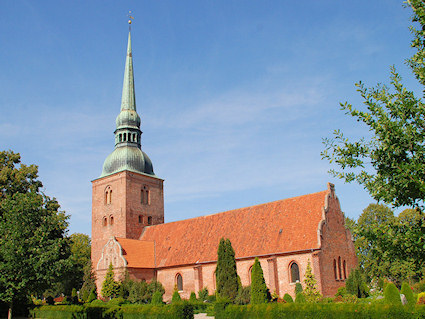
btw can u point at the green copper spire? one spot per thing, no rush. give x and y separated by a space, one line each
128 100
128 154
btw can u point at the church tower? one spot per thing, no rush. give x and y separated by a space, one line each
127 196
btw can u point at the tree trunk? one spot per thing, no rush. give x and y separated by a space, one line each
9 314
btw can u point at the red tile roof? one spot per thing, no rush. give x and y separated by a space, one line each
138 253
276 227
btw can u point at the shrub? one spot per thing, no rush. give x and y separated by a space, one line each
298 288
92 296
299 298
203 294
258 284
421 298
50 300
244 296
392 295
288 298
110 288
176 297
157 298
342 291
311 292
192 297
408 293
356 284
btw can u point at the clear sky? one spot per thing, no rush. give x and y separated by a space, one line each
234 96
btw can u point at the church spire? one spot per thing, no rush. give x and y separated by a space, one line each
128 99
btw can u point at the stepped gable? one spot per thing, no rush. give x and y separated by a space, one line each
283 226
137 253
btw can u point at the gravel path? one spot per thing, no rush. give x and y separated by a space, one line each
202 316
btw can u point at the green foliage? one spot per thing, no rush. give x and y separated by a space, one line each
258 284
89 282
92 296
192 297
342 291
299 298
408 293
157 298
110 288
33 247
396 120
226 275
288 299
311 292
392 295
298 288
356 284
203 294
176 297
74 297
138 292
244 296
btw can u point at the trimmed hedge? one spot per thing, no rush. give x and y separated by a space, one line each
320 311
183 310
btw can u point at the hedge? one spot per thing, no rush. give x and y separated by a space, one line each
183 310
320 311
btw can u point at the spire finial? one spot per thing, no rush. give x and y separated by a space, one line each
130 19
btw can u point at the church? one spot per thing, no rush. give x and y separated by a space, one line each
128 228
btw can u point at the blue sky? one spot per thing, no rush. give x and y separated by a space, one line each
234 96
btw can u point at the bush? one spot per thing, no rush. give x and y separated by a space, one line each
342 291
408 293
203 294
288 298
62 312
258 284
356 284
421 298
92 296
220 305
299 298
50 300
157 298
298 288
392 295
176 297
192 297
244 296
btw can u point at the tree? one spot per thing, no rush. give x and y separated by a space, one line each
392 295
89 282
258 284
176 297
110 287
311 292
33 249
157 298
226 275
408 293
356 284
391 163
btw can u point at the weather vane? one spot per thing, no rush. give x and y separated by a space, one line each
130 19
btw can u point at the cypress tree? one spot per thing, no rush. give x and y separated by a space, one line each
176 297
258 284
226 275
110 288
408 293
311 292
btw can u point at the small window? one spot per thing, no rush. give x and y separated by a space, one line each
111 220
108 195
149 220
295 272
140 219
179 282
145 195
344 268
105 221
142 198
147 198
339 268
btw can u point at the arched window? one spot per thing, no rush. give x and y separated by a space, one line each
124 137
339 268
108 195
145 195
105 221
140 219
335 272
344 268
249 274
149 220
295 272
179 282
111 220
214 281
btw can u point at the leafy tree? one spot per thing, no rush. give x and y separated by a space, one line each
391 163
226 275
311 292
110 287
33 249
258 284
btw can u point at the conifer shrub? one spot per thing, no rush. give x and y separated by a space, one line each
176 297
311 292
408 293
92 296
356 284
392 295
244 296
226 276
74 297
298 288
258 284
192 297
288 299
203 294
157 298
110 288
299 298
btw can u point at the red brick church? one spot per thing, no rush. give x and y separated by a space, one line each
128 228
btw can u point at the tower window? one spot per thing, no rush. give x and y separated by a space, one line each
105 221
111 220
149 220
179 282
108 195
145 195
295 272
140 219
